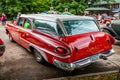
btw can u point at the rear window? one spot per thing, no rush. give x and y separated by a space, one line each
80 26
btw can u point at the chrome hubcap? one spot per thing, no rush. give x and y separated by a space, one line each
38 56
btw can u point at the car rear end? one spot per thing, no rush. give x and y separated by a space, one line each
85 52
86 42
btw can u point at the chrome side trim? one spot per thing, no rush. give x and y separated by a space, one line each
49 52
41 52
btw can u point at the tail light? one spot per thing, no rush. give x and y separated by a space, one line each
63 51
108 41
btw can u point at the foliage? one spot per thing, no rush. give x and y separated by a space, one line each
74 6
12 7
41 5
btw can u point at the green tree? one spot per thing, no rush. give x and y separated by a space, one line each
74 6
41 5
77 6
12 7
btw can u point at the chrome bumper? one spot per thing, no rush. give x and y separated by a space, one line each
82 62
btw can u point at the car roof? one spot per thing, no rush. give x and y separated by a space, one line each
54 17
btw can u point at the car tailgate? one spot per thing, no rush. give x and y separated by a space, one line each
88 44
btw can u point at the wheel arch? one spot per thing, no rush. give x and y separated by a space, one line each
31 49
7 32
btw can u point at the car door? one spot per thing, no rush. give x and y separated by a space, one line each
15 28
24 33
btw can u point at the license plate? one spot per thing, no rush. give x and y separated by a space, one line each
94 57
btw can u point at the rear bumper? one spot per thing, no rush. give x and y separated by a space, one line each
107 53
82 62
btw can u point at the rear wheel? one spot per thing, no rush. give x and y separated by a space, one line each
38 56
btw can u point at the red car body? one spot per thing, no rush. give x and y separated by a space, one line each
2 47
67 41
107 19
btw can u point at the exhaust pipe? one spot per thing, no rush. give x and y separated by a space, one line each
103 57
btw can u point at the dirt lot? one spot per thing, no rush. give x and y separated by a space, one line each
18 64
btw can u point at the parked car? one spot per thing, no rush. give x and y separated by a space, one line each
2 47
113 29
66 41
107 19
117 15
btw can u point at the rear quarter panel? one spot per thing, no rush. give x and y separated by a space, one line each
47 44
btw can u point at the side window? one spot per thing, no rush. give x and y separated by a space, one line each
21 22
45 26
59 31
27 24
67 26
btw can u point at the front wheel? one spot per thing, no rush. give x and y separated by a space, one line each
10 38
38 56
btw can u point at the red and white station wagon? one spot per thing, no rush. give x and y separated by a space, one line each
67 41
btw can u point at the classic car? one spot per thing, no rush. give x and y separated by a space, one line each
107 19
66 41
113 29
2 47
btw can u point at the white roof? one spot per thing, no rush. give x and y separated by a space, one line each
54 17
